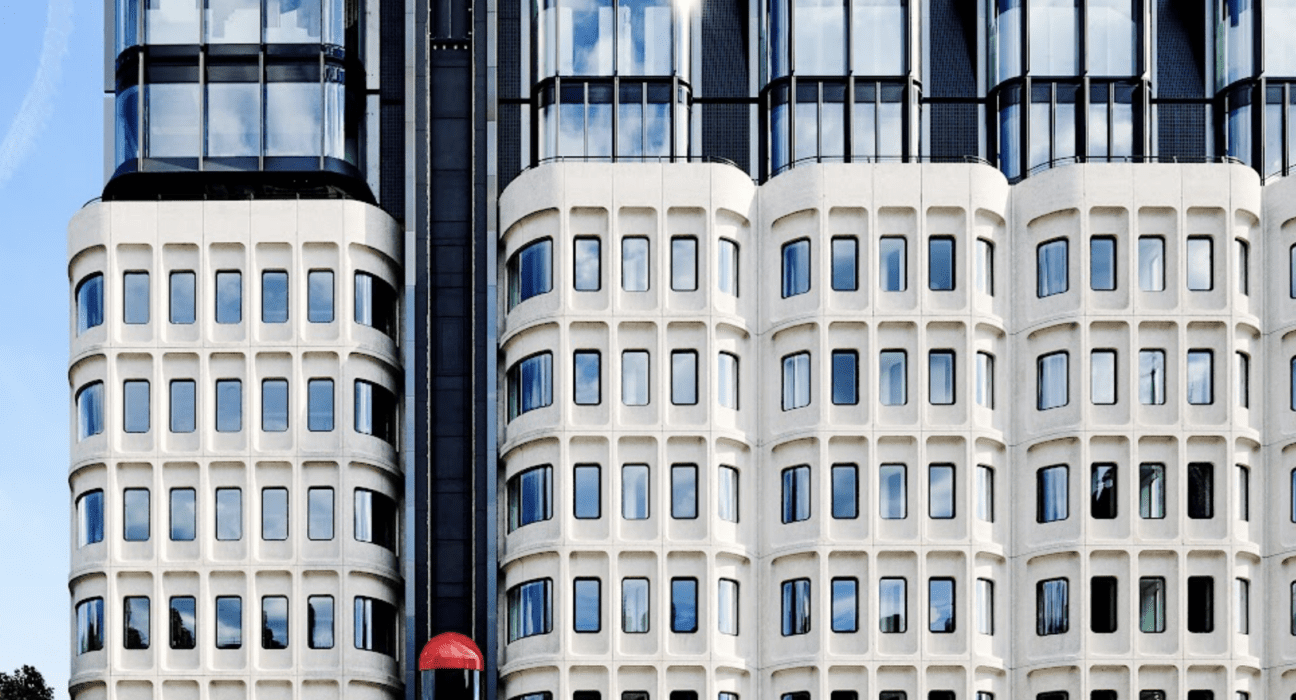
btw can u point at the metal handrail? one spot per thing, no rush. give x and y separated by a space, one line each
1173 160
968 160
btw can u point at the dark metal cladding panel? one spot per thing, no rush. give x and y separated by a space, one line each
726 128
1181 49
726 132
391 115
509 127
953 48
954 130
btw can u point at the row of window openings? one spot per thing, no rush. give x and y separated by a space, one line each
1052 267
1052 492
1053 383
530 493
530 270
882 695
374 623
893 253
375 301
375 515
375 407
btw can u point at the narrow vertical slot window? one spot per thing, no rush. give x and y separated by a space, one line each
727 604
587 499
796 268
940 264
845 377
1152 491
1102 604
796 494
1201 377
1102 263
845 263
985 493
1051 268
90 417
1051 494
727 274
1243 488
587 374
135 298
90 518
684 264
985 606
893 382
1243 380
727 379
796 381
940 371
1152 604
1151 263
634 264
985 380
1243 263
985 267
845 491
892 264
684 377
1102 492
587 274
727 494
893 501
1201 263
845 605
183 295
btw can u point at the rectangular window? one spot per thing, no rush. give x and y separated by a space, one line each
229 296
375 622
530 610
1243 266
634 377
796 268
135 515
684 264
1243 493
634 264
1102 377
319 297
893 501
274 514
183 616
985 606
1293 608
892 378
684 489
892 264
1102 604
727 372
1051 615
845 491
183 294
634 491
634 605
229 405
375 519
985 380
184 516
1151 262
727 602
587 374
135 622
1102 263
727 274
274 296
845 263
135 297
274 622
229 514
940 263
1291 270
135 406
845 605
1151 491
319 513
1052 382
796 494
940 369
587 501
985 266
727 494
940 597
183 409
985 494
1152 377
1201 490
940 491
274 405
587 602
375 300
1201 377
893 606
1051 494
845 377
1102 492
588 261
684 609
1201 604
684 377
796 381
1152 603
1051 268
796 607
319 405
319 622
90 621
1243 380
1201 263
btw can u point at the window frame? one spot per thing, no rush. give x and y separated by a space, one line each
1242 487
722 396
1042 628
268 641
1158 619
1210 264
1242 261
647 496
172 403
853 398
1039 380
1200 477
647 604
883 511
132 310
598 500
683 400
129 386
129 614
516 406
266 414
720 263
647 264
1155 500
675 605
332 512
1104 604
598 263
904 387
1094 376
902 615
312 621
1040 495
798 477
985 606
720 607
148 513
1242 377
311 383
287 505
97 304
1107 240
1041 291
173 615
513 270
229 383
1201 613
852 512
625 372
792 286
931 263
984 393
883 278
984 274
1210 376
513 599
576 605
171 298
796 359
795 607
90 637
219 297
287 291
697 484
932 355
85 517
1156 285
931 490
845 285
516 496
932 581
311 275
852 596
576 376
697 254
985 487
238 519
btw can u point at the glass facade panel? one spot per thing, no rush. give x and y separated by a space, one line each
171 22
892 267
233 119
634 492
1055 37
796 494
892 378
892 606
1053 390
1051 268
940 491
296 22
796 381
1113 37
878 37
294 119
172 121
893 501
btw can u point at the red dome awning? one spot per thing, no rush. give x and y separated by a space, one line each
451 650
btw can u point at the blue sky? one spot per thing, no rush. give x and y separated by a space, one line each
51 162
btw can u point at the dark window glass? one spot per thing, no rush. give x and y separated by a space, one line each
274 514
845 264
90 620
893 607
587 502
845 491
135 515
634 605
530 497
845 605
845 377
1102 492
796 494
530 272
135 297
588 273
1152 604
375 303
684 488
940 264
796 607
892 695
90 520
229 296
135 400
184 515
1243 489
684 264
684 605
229 405
229 514
940 597
274 296
229 622
940 491
1051 494
319 405
529 610
319 299
1201 490
587 601
274 622
274 405
796 268
89 301
1201 604
319 513
530 384
1051 611
587 375
375 411
319 622
184 293
375 626
375 519
183 406
1152 487
135 622
183 622
1102 263
1102 604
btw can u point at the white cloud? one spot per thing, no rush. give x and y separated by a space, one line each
38 103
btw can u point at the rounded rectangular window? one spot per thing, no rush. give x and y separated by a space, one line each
587 605
1051 494
940 491
845 377
796 268
274 405
727 261
375 411
893 606
587 501
135 408
727 602
183 406
319 622
375 626
588 264
893 379
274 622
229 296
184 293
1051 611
587 374
634 605
940 598
1151 261
940 264
845 605
90 520
375 519
319 405
796 607
183 616
135 298
229 405
319 513
274 514
90 620
1051 268
530 272
893 499
1201 263
845 491
684 377
319 295
1152 377
1201 370
229 514
727 378
796 381
375 304
1052 381
530 497
634 378
229 623
135 622
940 370
274 296
89 402
684 264
845 263
684 605
892 266
684 491
1102 263
89 301
634 492
136 520
727 494
184 515
634 264
796 494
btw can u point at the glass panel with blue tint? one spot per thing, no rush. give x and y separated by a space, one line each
229 622
274 622
1051 494
1235 28
530 272
940 370
727 602
940 597
727 275
171 121
1052 268
229 406
727 494
587 501
294 22
587 597
1113 37
1201 366
184 515
985 380
644 37
845 259
90 303
319 622
727 380
319 405
940 264
892 378
319 296
845 491
634 491
90 417
1152 377
684 612
587 374
135 298
135 515
634 605
845 377
940 492
1055 37
820 40
229 296
90 520
796 494
684 490
684 378
588 264
233 120
530 384
1151 263
796 607
796 381
319 513
90 621
893 501
1051 615
845 605
1102 263
274 514
634 378
135 414
183 406
796 268
530 497
229 514
892 606
127 136
1200 254
274 405
891 264
634 264
1152 487
232 21
135 622
878 37
171 22
183 297
294 119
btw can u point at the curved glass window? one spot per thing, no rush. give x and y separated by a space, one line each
1111 120
375 519
878 35
90 416
375 303
1234 31
1052 123
530 384
809 37
375 625
575 120
90 303
375 411
530 272
821 124
232 126
127 24
530 609
90 518
819 37
1055 37
294 119
1113 37
1006 33
530 497
1010 132
1238 125
90 629
231 21
576 37
127 143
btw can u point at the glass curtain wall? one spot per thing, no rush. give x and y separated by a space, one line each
612 79
1279 87
1065 82
838 82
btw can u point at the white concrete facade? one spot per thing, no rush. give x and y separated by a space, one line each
250 237
1248 306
